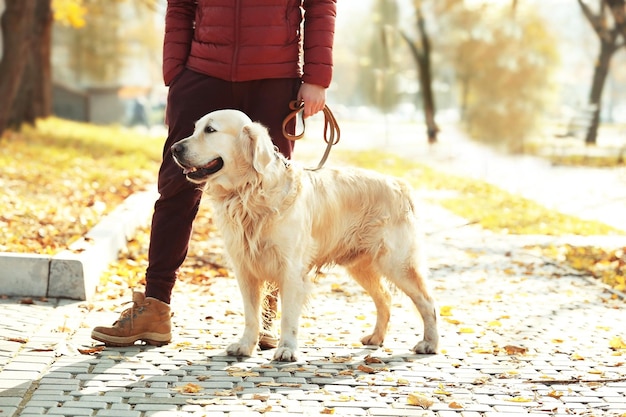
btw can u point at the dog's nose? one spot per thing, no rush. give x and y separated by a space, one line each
176 148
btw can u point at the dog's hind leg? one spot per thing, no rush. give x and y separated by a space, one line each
365 274
251 295
412 282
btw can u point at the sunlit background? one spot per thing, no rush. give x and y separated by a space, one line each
505 72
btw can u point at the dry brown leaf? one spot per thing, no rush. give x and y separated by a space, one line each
515 350
366 369
91 351
17 340
370 359
420 400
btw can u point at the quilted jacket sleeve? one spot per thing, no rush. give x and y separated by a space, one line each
179 27
319 32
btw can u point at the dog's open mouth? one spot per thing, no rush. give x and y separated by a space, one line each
201 173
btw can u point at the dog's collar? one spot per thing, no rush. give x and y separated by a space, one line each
282 159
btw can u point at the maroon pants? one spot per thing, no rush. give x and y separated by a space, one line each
191 96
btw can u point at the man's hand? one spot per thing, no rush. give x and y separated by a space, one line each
314 98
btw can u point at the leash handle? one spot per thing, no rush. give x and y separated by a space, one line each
332 133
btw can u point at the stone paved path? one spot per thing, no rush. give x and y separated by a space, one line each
521 335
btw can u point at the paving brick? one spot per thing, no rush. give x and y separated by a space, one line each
118 413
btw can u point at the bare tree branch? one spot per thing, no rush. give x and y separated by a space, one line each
618 10
596 21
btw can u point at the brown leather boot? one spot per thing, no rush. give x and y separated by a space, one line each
148 319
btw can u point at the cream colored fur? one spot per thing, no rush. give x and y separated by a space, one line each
280 221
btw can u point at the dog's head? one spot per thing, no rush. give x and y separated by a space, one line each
225 146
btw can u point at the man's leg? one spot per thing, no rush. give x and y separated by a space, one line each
267 102
190 97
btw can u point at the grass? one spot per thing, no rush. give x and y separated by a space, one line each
59 178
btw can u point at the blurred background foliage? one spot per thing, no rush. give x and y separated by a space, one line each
507 71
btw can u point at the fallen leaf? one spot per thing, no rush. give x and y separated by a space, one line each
519 400
91 351
555 394
515 350
419 400
370 359
455 405
189 388
366 369
617 343
445 311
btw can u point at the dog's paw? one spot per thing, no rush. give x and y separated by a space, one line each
425 347
285 354
372 340
238 349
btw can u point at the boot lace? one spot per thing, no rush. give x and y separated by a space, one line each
129 314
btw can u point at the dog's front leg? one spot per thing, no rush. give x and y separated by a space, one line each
251 294
293 295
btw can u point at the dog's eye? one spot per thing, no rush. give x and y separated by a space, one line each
209 129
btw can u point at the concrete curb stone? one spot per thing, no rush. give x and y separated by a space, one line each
74 273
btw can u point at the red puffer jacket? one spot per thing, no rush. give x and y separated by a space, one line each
242 40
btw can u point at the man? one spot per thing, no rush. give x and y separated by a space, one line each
252 55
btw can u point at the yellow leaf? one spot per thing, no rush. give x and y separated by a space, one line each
466 330
617 343
419 400
519 400
452 321
445 311
494 323
576 357
441 391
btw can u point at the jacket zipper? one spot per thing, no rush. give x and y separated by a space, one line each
233 64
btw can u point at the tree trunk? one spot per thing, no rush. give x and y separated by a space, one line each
426 80
34 97
17 26
607 49
422 59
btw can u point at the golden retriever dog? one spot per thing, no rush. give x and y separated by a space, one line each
280 221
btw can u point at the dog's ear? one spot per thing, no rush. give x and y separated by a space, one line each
259 146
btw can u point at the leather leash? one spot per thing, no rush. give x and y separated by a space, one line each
331 129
